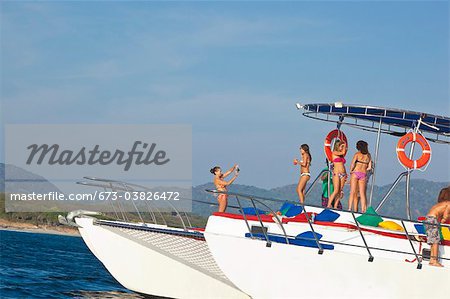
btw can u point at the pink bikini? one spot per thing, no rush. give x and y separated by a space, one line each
359 175
341 175
339 159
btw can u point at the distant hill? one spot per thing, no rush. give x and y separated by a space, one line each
423 195
33 181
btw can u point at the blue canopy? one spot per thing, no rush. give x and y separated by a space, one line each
369 118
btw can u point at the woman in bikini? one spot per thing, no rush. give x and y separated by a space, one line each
304 171
339 173
361 165
221 184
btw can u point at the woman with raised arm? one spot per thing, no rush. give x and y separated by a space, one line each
304 171
361 165
339 173
221 184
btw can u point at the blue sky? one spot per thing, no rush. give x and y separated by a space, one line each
234 70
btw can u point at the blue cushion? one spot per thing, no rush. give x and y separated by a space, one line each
308 235
419 228
285 207
294 211
327 216
252 211
281 239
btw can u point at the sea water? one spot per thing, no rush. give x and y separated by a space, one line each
34 265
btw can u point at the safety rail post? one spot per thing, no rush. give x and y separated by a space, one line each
374 163
187 218
245 217
314 182
419 261
162 216
119 204
380 205
168 202
268 242
277 219
253 198
126 187
362 237
151 214
270 209
112 204
147 205
132 201
312 229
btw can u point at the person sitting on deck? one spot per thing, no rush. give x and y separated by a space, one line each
444 194
439 211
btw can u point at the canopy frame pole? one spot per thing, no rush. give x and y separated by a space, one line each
408 179
329 180
408 176
374 163
338 126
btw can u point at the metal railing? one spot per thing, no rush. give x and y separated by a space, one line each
383 200
314 182
120 186
254 200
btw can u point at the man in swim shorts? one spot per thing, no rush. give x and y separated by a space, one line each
440 211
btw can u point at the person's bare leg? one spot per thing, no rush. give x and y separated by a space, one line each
362 194
222 199
304 180
335 192
356 201
341 192
352 197
299 190
434 258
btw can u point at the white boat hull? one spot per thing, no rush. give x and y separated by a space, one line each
157 264
289 271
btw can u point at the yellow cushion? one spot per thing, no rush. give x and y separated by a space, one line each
391 225
446 233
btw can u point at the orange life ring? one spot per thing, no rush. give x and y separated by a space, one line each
328 140
404 159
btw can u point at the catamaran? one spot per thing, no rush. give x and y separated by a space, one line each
155 257
326 253
312 253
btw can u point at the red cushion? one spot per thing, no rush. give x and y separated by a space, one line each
264 218
302 218
299 218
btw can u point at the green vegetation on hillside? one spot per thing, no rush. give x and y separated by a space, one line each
51 218
423 195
